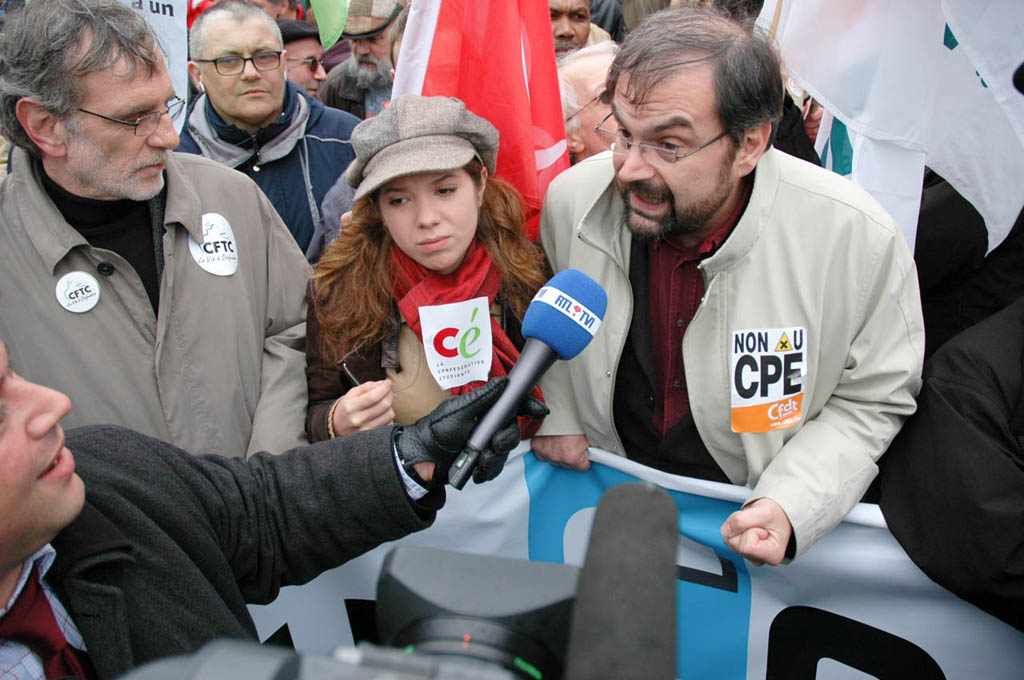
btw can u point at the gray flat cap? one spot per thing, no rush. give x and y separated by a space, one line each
368 18
418 134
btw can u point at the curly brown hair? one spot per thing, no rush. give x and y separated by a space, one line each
353 293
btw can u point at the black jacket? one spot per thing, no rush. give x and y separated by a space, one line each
171 547
952 482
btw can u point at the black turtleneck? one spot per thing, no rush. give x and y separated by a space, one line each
122 226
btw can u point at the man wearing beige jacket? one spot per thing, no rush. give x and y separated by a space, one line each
764 322
160 291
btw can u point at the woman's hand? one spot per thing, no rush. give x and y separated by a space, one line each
364 407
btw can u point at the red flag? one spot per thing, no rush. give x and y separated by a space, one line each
498 57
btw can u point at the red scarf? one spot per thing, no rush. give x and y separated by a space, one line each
416 286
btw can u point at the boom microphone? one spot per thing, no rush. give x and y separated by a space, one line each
560 321
624 622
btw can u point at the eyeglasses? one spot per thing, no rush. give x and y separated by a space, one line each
312 63
232 64
147 124
665 154
580 110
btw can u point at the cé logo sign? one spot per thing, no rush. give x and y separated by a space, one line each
450 343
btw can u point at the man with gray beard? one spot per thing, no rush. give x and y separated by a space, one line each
362 83
159 290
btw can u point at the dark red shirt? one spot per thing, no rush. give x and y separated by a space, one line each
675 288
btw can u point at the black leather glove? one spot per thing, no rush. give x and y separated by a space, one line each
492 459
439 436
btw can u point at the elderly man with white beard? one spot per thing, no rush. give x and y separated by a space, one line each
362 83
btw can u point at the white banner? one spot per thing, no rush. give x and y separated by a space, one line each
915 82
852 605
167 17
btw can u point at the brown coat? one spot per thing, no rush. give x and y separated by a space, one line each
399 356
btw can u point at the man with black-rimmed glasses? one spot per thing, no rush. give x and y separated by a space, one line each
161 291
251 118
767 324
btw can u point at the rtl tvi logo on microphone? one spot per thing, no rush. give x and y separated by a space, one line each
569 306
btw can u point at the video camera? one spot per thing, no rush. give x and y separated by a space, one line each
453 616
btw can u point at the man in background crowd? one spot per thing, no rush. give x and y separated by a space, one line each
581 79
362 83
250 118
571 27
281 9
305 53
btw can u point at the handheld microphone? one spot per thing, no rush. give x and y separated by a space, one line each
560 321
624 621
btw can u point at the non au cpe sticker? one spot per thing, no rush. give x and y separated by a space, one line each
218 253
768 368
78 291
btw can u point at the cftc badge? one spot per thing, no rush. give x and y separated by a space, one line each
218 253
78 292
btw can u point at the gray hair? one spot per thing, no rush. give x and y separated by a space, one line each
49 45
238 10
570 101
746 68
570 105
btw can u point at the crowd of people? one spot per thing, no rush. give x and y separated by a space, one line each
315 269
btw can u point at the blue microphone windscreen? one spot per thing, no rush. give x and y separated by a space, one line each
566 312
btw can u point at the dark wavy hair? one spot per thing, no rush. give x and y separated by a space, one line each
353 293
746 68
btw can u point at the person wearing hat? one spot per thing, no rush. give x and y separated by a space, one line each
250 118
362 83
305 54
398 303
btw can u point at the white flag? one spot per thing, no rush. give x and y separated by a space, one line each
915 82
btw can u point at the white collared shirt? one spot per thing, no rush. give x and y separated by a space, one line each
17 661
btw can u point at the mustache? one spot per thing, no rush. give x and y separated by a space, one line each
160 157
564 45
647 191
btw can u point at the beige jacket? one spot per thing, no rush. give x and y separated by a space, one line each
811 250
220 370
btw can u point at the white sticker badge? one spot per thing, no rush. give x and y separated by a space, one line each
78 292
768 368
218 253
457 341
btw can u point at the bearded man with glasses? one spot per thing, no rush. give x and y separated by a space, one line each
250 117
160 290
767 327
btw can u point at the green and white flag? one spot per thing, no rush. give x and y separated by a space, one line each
909 83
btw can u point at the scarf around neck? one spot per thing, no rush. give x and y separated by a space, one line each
416 286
